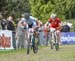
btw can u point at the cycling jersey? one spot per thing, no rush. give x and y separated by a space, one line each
31 23
54 23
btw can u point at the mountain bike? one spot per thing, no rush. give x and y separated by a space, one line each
54 42
32 42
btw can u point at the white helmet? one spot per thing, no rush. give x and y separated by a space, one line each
53 15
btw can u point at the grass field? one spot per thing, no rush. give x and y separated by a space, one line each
66 53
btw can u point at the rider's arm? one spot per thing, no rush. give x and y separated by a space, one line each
59 27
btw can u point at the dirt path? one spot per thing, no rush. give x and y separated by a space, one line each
66 53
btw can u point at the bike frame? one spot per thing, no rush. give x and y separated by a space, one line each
54 40
31 42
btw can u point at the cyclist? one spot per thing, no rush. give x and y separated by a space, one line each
55 25
32 25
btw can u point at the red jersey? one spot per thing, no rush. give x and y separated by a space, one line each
54 23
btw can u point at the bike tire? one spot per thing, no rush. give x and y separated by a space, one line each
57 46
35 49
51 45
35 46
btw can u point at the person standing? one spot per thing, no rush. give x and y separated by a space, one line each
3 22
11 27
20 33
10 24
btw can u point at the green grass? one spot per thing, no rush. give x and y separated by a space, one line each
66 53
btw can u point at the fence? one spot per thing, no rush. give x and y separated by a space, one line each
7 39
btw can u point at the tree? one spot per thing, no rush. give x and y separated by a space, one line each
42 9
14 7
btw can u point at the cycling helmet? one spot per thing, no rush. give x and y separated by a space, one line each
53 15
26 15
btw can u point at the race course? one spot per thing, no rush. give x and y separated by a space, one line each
66 53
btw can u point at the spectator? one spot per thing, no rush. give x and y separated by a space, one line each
10 23
20 34
2 22
65 28
11 27
46 35
41 34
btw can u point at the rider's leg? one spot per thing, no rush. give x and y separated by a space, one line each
52 35
58 37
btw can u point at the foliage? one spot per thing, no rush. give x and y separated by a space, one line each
14 7
44 8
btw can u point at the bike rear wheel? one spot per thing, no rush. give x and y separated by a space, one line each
56 43
57 46
35 45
